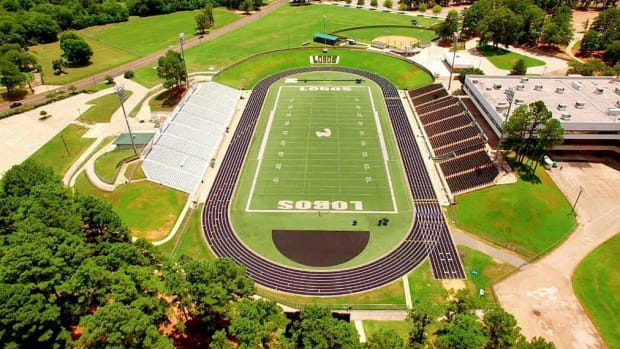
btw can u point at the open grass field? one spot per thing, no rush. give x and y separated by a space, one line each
528 217
401 327
149 210
105 57
108 164
54 154
134 171
400 72
488 270
504 59
596 282
307 170
118 43
390 296
102 109
368 34
287 27
189 241
422 284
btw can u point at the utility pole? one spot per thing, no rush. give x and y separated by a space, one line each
456 39
122 96
181 42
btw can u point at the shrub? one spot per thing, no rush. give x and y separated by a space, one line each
42 113
128 74
519 68
436 9
374 3
360 2
422 7
468 71
387 3
348 1
402 7
109 80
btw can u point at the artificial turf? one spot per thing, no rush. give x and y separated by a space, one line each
596 282
529 217
310 173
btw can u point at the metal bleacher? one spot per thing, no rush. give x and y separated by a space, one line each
181 150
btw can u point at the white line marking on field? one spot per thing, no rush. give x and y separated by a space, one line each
360 330
261 151
408 301
383 149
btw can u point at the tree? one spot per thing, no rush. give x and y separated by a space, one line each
533 21
589 67
246 6
607 24
204 19
536 343
422 7
120 326
12 78
501 26
469 71
612 54
474 14
591 42
256 323
374 3
558 30
220 341
519 68
76 50
385 339
436 9
447 28
421 315
58 65
387 4
41 28
317 329
462 332
462 303
501 329
171 68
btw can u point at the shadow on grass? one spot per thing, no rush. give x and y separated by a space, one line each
490 51
170 98
526 171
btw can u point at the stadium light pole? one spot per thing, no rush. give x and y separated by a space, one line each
122 96
510 97
456 39
181 42
324 33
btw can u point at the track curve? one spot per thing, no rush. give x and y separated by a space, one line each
429 235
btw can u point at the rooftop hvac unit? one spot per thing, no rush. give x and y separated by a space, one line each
497 86
562 106
475 81
538 87
524 80
559 89
613 111
617 90
502 105
577 85
488 88
617 103
580 105
519 101
520 87
565 116
599 91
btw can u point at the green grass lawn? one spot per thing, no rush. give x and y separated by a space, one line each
149 210
390 296
134 171
527 217
102 109
105 57
118 43
504 59
369 34
596 282
401 327
98 87
422 284
54 154
280 29
189 241
489 271
247 74
108 164
576 47
326 169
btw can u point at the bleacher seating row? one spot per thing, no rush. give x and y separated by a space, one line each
454 138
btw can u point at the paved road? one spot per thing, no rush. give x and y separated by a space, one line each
152 58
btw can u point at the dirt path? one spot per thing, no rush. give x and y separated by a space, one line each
540 295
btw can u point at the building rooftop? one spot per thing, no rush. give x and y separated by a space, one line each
580 103
139 138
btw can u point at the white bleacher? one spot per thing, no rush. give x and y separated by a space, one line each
185 144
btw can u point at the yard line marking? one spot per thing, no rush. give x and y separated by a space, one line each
261 151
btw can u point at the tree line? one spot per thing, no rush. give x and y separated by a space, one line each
70 276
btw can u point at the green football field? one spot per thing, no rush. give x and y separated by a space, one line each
322 150
317 179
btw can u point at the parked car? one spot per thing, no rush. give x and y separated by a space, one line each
15 104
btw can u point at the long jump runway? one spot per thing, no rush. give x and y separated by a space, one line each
429 235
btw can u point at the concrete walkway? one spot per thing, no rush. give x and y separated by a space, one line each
462 238
540 295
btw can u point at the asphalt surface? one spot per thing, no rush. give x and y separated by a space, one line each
152 58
